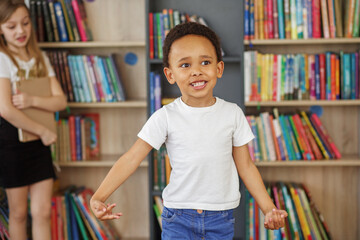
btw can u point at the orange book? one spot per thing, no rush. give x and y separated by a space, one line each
312 142
333 76
331 13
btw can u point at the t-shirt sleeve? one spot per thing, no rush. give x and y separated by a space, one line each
5 69
154 132
242 134
48 65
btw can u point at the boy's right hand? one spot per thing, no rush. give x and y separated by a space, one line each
48 137
103 211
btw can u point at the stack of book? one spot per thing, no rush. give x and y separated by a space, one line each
72 218
290 137
304 220
301 19
60 20
78 138
88 78
160 24
325 76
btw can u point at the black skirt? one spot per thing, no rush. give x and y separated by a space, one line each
22 164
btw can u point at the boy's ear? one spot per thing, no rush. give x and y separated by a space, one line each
169 75
220 69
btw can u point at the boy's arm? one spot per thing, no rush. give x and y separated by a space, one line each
253 182
120 171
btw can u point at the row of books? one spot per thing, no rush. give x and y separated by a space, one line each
71 217
301 19
304 220
325 76
60 20
155 91
290 137
88 78
160 24
78 138
161 168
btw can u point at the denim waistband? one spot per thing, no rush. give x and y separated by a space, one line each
194 212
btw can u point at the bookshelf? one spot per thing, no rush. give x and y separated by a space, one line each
217 15
119 121
334 184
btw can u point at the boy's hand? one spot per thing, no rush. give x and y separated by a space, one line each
103 211
275 219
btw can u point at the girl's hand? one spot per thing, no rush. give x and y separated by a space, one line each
103 211
275 219
22 100
48 137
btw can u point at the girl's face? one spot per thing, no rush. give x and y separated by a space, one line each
17 29
194 68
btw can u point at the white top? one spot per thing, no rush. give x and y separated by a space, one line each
199 143
9 70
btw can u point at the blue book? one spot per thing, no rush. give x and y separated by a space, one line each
78 138
252 20
328 75
152 92
63 34
299 19
104 82
287 139
84 80
292 138
353 76
317 76
257 152
309 18
108 78
302 77
281 21
73 80
72 63
246 20
157 91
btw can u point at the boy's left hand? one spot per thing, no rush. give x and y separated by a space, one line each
275 219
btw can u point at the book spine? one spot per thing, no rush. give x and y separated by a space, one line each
79 22
61 22
316 24
151 35
72 20
331 13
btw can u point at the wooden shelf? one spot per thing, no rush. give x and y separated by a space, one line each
105 161
304 103
302 41
125 104
345 162
92 44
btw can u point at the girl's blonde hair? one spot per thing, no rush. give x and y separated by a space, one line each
7 8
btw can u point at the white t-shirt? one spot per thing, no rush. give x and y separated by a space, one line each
9 70
199 143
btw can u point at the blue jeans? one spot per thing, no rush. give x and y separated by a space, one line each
190 224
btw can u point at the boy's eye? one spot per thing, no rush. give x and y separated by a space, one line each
185 65
205 62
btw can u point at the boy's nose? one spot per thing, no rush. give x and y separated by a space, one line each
196 71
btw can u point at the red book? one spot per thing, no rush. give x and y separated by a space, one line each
312 142
72 137
276 19
333 76
54 235
256 220
322 61
319 127
79 21
307 148
151 35
270 20
316 24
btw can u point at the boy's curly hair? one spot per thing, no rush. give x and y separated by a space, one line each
190 28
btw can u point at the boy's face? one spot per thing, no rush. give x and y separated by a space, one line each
194 68
17 29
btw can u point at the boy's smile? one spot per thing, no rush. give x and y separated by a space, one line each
194 68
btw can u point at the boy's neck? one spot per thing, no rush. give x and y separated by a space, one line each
199 102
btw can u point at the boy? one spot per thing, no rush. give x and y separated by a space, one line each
206 139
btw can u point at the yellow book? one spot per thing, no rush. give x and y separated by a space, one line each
261 19
300 212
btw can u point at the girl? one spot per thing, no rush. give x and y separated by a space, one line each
25 168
